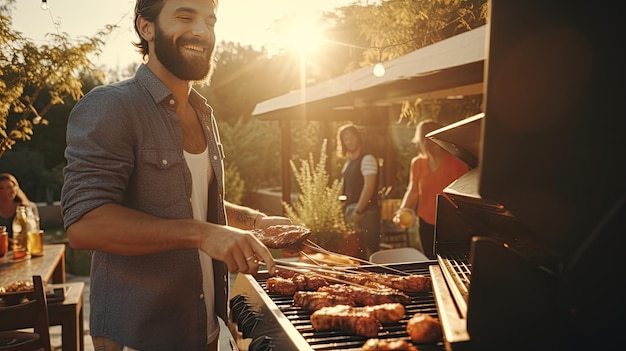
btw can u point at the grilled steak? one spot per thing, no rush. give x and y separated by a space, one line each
282 235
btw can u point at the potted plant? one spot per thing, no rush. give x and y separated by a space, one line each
319 208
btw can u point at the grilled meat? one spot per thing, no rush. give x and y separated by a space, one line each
281 286
297 282
309 282
387 345
364 296
285 273
423 328
314 300
282 235
341 318
409 283
385 313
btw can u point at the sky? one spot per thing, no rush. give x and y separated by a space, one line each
246 22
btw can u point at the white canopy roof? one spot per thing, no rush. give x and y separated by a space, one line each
450 67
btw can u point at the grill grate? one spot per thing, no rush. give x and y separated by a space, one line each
457 272
336 340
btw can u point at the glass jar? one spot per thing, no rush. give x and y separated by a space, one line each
4 241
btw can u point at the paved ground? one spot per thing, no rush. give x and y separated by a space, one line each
55 331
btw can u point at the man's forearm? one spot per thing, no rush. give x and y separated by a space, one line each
242 217
119 230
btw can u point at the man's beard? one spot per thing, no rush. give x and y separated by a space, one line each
196 68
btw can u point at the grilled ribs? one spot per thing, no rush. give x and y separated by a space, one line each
409 283
364 296
314 300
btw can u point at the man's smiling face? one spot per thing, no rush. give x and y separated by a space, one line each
184 39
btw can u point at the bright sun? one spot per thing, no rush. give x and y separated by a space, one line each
302 34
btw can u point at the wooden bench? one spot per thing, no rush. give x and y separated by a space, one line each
69 315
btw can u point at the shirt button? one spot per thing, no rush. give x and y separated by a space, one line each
172 101
164 162
215 157
201 296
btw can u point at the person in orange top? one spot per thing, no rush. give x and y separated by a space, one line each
431 171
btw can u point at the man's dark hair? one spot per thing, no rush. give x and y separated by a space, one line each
148 9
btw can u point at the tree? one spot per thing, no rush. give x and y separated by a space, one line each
396 27
34 78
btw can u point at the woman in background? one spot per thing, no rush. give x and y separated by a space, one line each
432 170
11 196
360 176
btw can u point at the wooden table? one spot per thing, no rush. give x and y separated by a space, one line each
50 266
69 315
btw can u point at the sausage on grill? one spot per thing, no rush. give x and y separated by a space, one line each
281 286
297 282
385 313
423 328
339 318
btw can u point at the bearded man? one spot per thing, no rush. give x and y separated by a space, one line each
144 191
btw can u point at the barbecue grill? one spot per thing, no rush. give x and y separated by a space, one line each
262 321
527 241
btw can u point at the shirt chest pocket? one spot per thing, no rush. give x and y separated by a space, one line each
161 159
161 175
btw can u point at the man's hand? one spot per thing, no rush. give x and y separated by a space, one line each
239 249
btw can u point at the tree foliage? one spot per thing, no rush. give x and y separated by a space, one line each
393 28
34 78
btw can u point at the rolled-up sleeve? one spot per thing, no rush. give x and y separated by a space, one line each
99 154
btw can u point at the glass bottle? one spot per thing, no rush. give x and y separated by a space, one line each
34 236
21 226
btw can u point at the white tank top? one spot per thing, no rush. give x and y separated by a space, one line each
201 176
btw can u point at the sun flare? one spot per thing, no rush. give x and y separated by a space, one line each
301 33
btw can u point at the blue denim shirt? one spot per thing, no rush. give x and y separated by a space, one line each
124 146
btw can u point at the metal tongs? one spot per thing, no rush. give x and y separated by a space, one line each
316 248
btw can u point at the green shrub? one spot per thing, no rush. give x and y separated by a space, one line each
318 206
